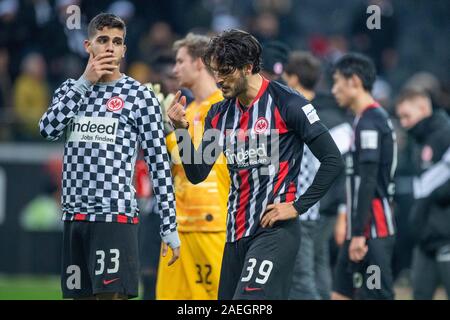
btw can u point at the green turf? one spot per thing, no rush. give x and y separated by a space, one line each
29 288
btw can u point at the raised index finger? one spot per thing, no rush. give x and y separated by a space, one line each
175 99
183 101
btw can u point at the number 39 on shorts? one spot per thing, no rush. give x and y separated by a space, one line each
263 273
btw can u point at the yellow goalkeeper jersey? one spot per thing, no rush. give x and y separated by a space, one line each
201 207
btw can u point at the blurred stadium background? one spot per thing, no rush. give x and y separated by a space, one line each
38 52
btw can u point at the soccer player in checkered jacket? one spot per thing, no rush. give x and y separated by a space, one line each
106 116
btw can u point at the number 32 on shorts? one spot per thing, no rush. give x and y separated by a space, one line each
263 272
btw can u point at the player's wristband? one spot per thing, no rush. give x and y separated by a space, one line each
172 239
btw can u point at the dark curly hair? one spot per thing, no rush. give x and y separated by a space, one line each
233 49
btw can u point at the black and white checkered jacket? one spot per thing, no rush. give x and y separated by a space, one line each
104 126
309 167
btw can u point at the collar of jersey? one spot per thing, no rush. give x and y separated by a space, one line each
374 105
111 83
261 91
371 106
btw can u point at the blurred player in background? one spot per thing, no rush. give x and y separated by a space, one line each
275 57
430 216
312 274
201 208
106 116
371 166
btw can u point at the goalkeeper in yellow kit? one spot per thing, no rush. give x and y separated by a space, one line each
201 209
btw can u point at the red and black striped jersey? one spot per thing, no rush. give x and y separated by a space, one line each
374 142
263 144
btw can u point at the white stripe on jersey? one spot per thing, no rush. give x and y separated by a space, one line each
255 113
269 114
234 207
373 230
255 174
389 216
256 187
268 191
281 191
357 185
222 130
394 152
237 116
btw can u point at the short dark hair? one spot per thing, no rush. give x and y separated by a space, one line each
108 20
411 93
306 67
359 65
233 49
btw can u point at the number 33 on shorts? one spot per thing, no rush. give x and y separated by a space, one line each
262 274
113 256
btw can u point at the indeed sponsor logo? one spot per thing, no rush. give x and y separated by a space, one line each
90 129
244 157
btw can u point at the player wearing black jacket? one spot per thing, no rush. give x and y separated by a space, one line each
430 215
363 269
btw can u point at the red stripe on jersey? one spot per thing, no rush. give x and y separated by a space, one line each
284 166
243 125
121 218
290 196
80 217
244 196
279 122
215 120
135 220
291 192
372 106
380 219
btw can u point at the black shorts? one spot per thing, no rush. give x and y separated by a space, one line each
99 257
260 266
370 279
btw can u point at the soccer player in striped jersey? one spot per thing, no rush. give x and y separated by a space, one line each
262 127
363 269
